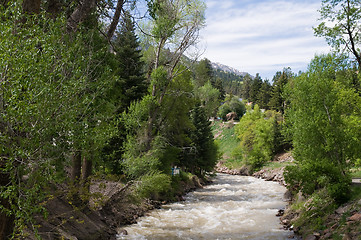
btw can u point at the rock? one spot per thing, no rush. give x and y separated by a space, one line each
287 196
327 235
355 218
280 213
342 210
244 171
311 237
231 116
286 222
346 237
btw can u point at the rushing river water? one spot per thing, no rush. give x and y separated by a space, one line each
232 207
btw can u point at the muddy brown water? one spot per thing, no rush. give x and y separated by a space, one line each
232 207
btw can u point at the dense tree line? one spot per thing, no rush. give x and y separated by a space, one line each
80 96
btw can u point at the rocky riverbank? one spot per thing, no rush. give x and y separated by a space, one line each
269 174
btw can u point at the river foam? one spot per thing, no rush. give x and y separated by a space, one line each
232 207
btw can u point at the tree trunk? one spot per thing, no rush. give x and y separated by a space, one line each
6 222
53 8
76 167
115 21
31 6
86 169
81 12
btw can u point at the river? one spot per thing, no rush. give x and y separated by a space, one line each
232 207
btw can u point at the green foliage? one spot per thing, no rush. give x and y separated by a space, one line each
204 153
256 132
232 83
234 105
203 73
341 26
264 95
209 97
131 85
53 101
325 122
254 89
152 184
277 100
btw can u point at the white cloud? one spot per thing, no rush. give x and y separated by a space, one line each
258 36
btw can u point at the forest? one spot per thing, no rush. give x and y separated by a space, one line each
97 88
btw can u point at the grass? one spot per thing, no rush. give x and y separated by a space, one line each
356 172
275 165
227 140
355 192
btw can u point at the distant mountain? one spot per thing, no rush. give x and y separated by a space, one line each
228 69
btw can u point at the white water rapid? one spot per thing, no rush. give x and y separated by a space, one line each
232 207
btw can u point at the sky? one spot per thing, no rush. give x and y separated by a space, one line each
262 36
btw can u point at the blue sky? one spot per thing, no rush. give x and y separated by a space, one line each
262 36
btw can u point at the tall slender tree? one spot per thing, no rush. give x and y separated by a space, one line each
132 83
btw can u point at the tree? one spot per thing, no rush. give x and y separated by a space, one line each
256 132
81 12
115 20
246 87
53 104
175 25
209 98
344 31
205 151
277 101
132 85
218 84
254 88
203 73
264 95
232 105
324 121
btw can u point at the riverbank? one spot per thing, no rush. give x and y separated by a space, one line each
112 206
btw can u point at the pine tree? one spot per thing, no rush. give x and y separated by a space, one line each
203 73
277 101
264 95
131 86
132 83
255 87
205 156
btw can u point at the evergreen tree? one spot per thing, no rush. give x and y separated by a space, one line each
246 87
218 84
205 153
278 101
264 95
255 88
132 84
203 73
